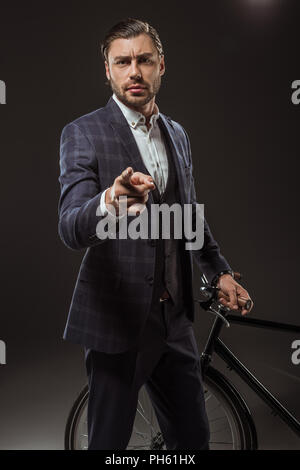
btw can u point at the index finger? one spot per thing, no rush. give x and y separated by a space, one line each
139 178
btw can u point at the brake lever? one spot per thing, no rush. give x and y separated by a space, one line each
207 306
210 293
219 315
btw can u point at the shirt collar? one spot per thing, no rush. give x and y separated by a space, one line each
134 118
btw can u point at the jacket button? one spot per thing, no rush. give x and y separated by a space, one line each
149 279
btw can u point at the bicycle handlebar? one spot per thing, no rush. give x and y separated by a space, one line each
237 276
210 295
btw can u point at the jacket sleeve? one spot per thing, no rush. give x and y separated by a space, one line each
209 259
80 190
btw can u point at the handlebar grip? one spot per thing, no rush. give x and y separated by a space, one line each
246 303
237 276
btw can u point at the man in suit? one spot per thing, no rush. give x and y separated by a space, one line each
132 308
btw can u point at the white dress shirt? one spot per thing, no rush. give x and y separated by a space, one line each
150 145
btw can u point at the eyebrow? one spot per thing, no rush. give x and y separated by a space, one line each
123 57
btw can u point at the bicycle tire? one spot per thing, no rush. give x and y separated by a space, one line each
78 406
239 410
214 382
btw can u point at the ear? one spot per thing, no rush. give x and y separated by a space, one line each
162 67
107 70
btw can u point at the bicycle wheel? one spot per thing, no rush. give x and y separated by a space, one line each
230 422
231 426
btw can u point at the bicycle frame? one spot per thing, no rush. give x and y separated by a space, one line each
214 344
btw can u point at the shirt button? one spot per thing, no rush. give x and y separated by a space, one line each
133 123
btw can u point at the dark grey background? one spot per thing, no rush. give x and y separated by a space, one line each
229 69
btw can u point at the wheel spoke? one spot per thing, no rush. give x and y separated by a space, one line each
220 442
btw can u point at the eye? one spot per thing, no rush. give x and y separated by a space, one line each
146 59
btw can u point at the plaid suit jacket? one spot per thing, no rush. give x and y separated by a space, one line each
113 291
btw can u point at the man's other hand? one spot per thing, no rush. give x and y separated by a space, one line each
232 294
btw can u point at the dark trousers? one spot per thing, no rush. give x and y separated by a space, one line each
166 361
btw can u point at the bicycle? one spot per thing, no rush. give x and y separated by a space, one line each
231 424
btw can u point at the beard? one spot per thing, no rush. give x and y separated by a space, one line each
136 101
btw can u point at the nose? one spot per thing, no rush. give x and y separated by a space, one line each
134 72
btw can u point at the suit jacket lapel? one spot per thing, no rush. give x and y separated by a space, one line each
124 133
170 135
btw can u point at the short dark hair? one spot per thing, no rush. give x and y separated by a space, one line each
129 28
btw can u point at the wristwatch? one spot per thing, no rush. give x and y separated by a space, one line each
216 278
